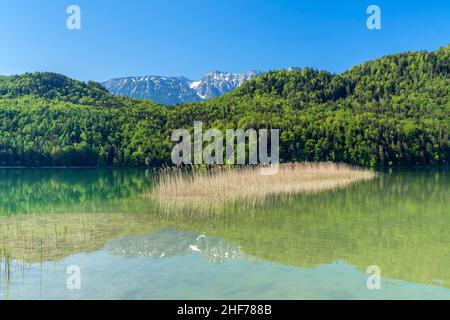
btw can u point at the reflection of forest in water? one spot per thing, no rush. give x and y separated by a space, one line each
69 190
398 221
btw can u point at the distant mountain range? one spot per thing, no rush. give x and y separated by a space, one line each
177 90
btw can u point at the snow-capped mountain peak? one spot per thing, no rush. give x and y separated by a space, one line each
176 90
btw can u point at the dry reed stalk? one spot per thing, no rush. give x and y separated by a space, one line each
225 185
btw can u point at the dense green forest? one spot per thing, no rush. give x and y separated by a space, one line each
394 111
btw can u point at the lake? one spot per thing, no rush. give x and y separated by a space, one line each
315 246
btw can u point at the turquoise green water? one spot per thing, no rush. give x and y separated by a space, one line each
308 247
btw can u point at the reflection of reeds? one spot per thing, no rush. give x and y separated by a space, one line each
39 238
224 185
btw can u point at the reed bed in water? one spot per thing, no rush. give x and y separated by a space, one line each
225 185
42 237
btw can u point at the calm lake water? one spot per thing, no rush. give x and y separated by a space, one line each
308 247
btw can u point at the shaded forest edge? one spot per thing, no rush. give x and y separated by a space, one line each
394 111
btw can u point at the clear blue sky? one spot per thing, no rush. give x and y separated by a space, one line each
192 37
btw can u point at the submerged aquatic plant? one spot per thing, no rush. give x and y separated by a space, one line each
5 270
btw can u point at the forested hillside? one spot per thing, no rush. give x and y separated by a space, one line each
394 111
47 119
390 112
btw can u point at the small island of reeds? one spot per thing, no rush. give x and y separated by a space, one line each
206 189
